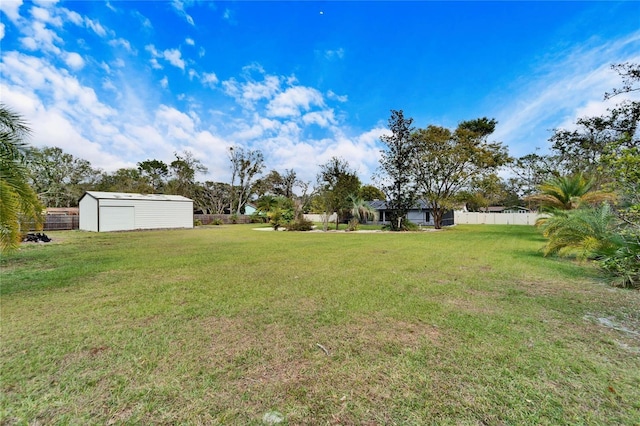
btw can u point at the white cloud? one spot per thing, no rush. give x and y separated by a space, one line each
209 79
73 17
335 97
323 118
179 7
290 102
46 3
11 8
1 30
122 43
74 61
96 27
248 93
334 54
189 41
566 88
43 15
164 83
174 57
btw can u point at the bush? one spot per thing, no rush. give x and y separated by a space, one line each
406 225
623 265
216 222
258 218
300 225
197 222
353 225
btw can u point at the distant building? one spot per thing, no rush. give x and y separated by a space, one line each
420 214
118 211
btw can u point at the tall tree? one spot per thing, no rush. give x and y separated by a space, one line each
124 180
336 182
530 171
19 203
449 160
397 167
156 171
183 170
60 178
246 165
212 197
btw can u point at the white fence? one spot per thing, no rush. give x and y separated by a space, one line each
475 218
320 217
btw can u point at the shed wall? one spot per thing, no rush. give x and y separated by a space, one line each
88 214
150 214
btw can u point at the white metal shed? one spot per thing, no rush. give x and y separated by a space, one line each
119 211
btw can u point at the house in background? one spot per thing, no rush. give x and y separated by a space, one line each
118 211
420 214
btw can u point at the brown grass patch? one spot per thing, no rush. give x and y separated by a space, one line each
269 366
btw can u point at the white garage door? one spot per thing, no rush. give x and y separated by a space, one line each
114 218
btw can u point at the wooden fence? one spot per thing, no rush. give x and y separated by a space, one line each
208 219
60 222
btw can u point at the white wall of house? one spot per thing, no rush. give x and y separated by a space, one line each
109 211
476 218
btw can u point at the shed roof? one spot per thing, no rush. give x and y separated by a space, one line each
98 195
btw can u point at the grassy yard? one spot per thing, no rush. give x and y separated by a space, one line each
222 325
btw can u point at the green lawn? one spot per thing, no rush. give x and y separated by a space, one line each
221 325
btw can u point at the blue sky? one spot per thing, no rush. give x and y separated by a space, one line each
124 81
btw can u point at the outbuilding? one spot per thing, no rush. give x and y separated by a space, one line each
119 211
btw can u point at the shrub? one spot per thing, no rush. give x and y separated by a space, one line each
353 225
197 222
216 222
623 264
234 218
258 217
300 225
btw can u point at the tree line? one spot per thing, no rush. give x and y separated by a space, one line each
446 168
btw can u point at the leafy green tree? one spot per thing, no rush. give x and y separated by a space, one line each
125 180
19 203
530 171
448 160
336 181
607 147
277 184
484 191
59 178
397 169
370 193
183 171
156 171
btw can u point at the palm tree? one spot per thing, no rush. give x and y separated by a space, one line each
19 203
360 209
568 193
590 232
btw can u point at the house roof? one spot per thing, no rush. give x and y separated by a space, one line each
382 205
98 195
